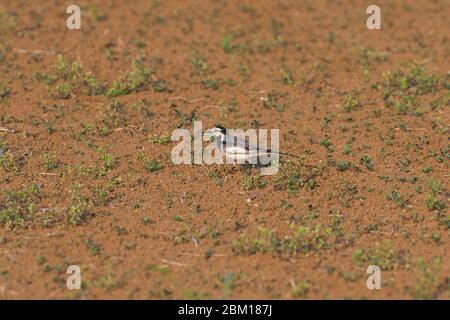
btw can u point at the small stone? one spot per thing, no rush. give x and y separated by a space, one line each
11 257
55 234
194 239
254 195
203 232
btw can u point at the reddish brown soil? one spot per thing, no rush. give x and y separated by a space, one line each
78 185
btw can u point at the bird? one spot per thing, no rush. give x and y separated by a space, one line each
241 150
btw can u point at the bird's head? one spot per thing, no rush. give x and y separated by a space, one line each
218 133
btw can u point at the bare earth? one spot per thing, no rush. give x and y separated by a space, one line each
86 176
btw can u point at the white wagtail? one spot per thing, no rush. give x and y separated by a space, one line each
240 149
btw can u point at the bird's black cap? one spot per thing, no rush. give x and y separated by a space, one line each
222 128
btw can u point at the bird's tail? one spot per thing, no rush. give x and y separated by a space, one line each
298 157
288 155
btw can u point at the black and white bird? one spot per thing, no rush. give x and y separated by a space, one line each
241 150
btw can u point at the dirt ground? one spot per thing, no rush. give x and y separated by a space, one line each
86 176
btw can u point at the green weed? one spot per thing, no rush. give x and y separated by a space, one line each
4 93
350 103
292 176
18 207
401 90
250 182
78 211
151 165
381 255
7 160
137 79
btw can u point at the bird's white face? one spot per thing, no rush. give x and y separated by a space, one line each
216 134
